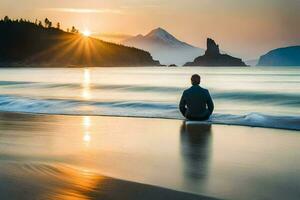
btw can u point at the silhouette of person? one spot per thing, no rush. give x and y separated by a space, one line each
196 102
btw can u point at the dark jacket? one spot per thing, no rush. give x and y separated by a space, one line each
196 103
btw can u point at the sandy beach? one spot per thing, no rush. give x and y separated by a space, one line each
82 157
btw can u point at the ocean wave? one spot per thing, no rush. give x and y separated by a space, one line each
166 110
128 87
286 99
270 98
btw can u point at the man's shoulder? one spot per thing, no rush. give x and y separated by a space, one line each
196 89
204 89
188 90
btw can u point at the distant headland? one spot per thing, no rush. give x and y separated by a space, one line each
37 44
288 56
213 57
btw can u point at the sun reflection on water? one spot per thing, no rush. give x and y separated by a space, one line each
77 184
87 137
86 89
86 122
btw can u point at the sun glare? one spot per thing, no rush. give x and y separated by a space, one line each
86 33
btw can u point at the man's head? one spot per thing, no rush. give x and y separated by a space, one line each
195 79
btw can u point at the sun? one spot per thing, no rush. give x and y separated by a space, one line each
86 33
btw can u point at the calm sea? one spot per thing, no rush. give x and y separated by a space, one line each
254 96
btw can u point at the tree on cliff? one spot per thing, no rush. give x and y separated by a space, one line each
6 19
48 23
40 24
74 30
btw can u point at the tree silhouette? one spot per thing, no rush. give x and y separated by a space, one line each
6 19
74 30
58 25
48 23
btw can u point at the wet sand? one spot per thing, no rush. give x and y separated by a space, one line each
82 157
57 182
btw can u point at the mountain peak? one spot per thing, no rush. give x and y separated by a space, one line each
159 30
160 33
165 47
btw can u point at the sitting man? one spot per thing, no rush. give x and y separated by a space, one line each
196 102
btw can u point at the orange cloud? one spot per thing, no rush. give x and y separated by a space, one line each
81 10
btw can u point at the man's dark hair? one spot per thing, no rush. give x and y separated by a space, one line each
195 79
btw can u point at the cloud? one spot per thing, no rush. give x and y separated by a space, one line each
83 11
140 6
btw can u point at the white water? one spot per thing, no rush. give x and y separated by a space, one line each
256 96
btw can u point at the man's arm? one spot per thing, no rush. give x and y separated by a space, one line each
182 105
210 103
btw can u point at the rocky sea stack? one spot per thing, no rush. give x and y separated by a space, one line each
213 57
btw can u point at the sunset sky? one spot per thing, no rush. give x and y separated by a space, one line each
243 28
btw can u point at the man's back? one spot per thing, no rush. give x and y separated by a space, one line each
196 103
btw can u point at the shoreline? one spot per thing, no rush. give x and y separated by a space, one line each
163 118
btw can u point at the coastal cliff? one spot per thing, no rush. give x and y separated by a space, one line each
213 57
24 43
